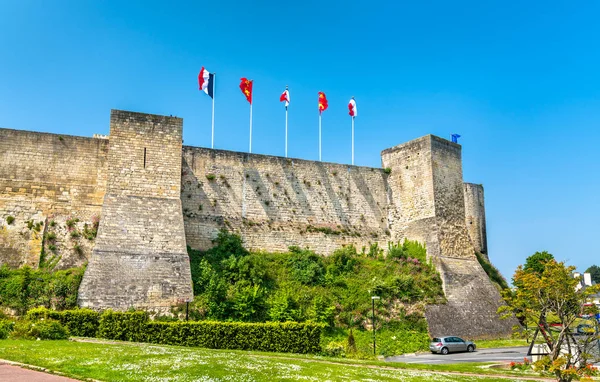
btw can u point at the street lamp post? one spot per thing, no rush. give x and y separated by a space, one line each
373 298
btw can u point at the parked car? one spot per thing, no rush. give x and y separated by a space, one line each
585 329
445 345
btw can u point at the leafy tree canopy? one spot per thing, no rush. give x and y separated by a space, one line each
536 262
552 293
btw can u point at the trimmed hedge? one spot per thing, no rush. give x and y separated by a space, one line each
290 337
124 326
79 322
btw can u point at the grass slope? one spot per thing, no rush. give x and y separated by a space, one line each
142 362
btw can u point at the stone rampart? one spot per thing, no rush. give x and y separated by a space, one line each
276 202
45 178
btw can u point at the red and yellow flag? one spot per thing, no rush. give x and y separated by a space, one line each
246 87
322 102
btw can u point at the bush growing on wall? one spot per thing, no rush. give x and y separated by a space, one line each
24 288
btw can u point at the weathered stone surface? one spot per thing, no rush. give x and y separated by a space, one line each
276 202
45 177
472 303
155 196
475 216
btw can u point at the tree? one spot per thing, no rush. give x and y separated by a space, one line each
594 271
537 261
552 293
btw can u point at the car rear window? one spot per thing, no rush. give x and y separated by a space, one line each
436 340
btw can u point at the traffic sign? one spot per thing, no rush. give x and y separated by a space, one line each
598 316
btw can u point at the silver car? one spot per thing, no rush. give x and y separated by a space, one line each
446 345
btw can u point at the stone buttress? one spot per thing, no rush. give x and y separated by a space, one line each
140 258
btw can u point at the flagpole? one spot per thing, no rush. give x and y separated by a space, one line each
319 136
212 139
251 128
352 141
286 131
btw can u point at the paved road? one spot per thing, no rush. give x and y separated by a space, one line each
15 373
515 354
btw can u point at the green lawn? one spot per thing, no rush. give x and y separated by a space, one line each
145 362
502 343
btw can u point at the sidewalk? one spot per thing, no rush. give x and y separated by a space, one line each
16 373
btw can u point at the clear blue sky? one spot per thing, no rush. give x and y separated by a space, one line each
520 83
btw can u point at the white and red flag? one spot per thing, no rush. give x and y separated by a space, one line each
285 97
352 108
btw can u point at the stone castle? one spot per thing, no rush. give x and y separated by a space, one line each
149 196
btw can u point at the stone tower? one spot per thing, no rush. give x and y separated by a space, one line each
140 258
427 198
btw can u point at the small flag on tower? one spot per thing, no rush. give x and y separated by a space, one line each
352 108
322 102
285 97
246 87
206 82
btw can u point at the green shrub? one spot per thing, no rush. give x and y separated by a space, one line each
124 326
10 219
492 271
344 260
24 288
6 327
306 266
210 177
387 170
284 307
45 329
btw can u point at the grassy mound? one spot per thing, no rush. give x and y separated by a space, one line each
233 284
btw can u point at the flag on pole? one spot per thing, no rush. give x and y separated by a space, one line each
352 108
206 82
322 102
246 87
285 97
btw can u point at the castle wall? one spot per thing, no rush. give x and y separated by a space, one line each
275 202
43 178
475 216
155 196
140 258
